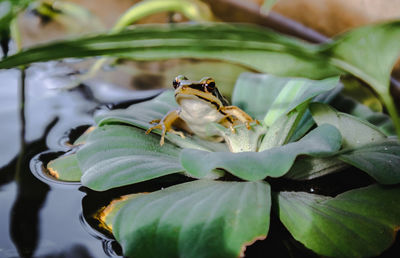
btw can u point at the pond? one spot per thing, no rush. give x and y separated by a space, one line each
44 218
300 120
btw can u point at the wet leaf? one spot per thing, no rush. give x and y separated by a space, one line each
357 223
65 168
117 155
197 219
380 160
275 162
308 168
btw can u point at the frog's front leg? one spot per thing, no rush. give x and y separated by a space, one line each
242 116
165 125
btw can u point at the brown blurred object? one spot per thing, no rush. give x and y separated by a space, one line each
332 17
107 12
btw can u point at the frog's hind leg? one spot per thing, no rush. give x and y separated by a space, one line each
165 125
242 116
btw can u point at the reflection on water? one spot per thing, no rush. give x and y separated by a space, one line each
40 219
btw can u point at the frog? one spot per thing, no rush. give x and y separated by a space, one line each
200 103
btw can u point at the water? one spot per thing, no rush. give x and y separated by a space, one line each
40 219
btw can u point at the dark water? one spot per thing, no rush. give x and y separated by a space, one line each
40 219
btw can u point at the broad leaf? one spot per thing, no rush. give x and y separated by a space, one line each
348 105
117 155
308 168
369 53
355 132
65 168
275 162
254 47
262 91
380 160
196 219
357 223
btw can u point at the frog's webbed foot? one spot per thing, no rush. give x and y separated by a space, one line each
165 125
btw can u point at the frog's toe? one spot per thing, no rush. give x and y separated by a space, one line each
155 121
159 126
248 126
177 133
162 140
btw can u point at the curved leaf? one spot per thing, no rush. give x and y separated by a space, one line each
251 46
117 155
348 105
370 53
65 168
380 160
309 167
196 219
275 162
263 89
355 132
357 223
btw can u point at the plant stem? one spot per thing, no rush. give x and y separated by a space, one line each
394 114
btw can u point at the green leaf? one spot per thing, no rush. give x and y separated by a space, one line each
282 129
348 105
117 155
251 46
275 162
142 113
263 89
380 160
370 53
197 219
65 168
242 139
355 132
357 223
308 168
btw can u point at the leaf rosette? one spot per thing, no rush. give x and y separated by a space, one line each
300 137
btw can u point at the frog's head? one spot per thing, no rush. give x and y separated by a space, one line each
203 90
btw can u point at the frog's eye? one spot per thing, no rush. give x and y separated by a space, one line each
177 81
209 84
